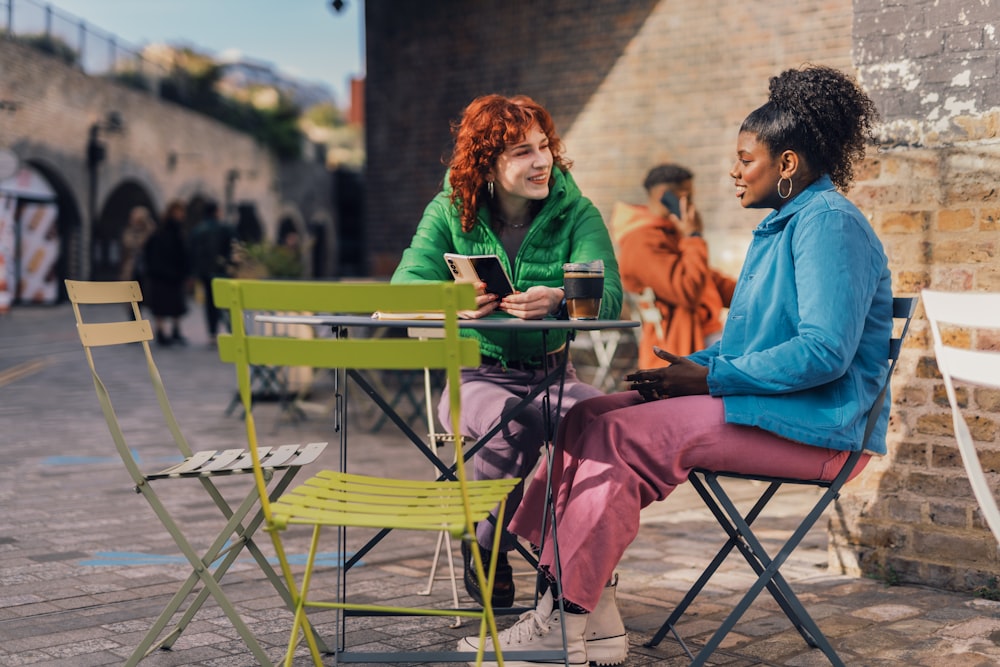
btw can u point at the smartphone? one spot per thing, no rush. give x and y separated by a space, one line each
480 268
672 202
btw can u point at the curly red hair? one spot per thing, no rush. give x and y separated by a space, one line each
488 125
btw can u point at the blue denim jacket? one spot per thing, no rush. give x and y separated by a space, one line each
805 347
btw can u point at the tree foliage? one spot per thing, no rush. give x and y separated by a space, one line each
54 46
193 84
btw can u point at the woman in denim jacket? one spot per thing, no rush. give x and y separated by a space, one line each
785 391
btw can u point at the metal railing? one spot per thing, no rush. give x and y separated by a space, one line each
63 35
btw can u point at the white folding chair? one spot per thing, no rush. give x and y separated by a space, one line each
436 441
958 322
642 307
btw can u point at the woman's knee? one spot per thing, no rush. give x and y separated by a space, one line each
582 413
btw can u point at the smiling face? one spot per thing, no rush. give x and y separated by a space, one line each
523 169
756 173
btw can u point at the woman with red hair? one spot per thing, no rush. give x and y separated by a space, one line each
508 192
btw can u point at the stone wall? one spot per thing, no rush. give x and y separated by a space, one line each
635 82
931 191
165 152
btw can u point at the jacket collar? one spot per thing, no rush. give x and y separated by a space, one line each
776 220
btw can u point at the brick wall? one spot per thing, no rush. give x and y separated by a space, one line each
931 192
630 83
634 83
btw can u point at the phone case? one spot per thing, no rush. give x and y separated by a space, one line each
672 202
480 268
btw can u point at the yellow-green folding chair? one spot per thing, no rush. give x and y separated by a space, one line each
337 498
109 322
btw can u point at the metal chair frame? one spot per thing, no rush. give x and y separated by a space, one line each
338 499
741 537
236 535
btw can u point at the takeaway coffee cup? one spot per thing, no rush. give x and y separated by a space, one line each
583 283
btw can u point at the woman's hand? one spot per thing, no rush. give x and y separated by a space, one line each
682 377
534 303
485 304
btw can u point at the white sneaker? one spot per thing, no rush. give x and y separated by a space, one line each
605 636
538 630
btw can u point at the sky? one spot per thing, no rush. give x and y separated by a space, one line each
306 39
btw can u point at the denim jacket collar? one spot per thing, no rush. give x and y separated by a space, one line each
776 220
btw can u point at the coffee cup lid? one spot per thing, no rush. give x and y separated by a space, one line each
587 267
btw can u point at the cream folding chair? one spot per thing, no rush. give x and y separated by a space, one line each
966 318
737 525
106 329
443 547
340 499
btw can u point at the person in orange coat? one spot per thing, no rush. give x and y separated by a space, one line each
660 246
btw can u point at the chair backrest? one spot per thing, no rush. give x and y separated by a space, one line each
903 308
103 320
245 349
957 320
642 307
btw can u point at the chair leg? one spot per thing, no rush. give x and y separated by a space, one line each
244 535
443 547
767 569
202 573
245 541
301 620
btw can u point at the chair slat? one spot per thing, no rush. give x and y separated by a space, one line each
976 366
223 460
333 297
309 453
369 354
87 292
275 457
970 309
102 334
191 464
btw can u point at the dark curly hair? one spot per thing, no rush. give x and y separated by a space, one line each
488 125
821 114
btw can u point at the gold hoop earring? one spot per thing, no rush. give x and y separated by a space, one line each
787 194
489 188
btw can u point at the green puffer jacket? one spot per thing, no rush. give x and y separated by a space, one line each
569 228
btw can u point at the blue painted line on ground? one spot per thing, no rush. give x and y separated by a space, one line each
104 460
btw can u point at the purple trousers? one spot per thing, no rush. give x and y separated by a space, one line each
487 392
616 454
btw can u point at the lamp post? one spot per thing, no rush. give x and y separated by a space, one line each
96 154
232 176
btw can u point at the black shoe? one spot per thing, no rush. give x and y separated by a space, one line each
162 340
503 584
178 339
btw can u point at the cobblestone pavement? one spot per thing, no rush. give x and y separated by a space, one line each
85 567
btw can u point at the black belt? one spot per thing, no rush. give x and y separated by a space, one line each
551 359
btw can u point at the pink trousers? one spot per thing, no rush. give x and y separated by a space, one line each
616 454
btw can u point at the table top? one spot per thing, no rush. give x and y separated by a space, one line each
484 323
